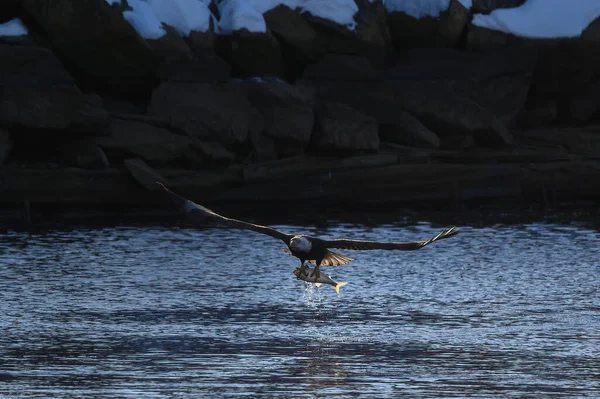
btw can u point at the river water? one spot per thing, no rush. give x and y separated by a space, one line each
171 311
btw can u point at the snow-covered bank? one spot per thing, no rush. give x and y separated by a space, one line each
542 18
534 19
147 16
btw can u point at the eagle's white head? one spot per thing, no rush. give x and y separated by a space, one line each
300 244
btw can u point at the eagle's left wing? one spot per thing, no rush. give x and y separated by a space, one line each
405 246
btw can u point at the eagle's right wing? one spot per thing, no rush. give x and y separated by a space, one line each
201 213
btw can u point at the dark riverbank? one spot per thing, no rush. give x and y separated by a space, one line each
417 113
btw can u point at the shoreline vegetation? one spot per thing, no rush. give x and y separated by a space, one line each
393 111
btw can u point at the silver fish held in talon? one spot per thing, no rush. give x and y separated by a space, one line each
310 277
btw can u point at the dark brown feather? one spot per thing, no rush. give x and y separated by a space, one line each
203 214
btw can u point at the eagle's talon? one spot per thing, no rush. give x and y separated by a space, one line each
300 271
316 273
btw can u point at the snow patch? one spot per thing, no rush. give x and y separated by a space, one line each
338 11
418 8
14 27
183 15
422 8
542 18
111 2
143 20
239 14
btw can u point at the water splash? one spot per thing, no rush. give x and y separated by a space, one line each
312 296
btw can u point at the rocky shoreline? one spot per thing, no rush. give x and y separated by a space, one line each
397 111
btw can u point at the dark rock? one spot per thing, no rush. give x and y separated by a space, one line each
343 128
458 142
409 32
585 105
592 31
484 39
265 148
453 24
202 43
214 153
497 80
182 64
199 69
171 45
314 165
151 143
118 106
6 145
440 109
408 130
207 111
84 154
287 113
564 69
96 41
341 67
92 117
539 113
327 26
372 29
583 140
39 93
144 174
451 113
252 54
298 39
487 6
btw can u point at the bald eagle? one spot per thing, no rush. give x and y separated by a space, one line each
306 248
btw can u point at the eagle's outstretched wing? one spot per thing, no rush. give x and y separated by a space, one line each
201 213
405 246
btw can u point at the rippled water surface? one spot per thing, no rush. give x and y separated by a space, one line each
165 312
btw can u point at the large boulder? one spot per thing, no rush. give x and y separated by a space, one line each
592 31
499 80
408 130
453 24
181 63
565 69
407 31
211 112
252 54
297 38
442 110
343 128
96 41
447 112
151 143
286 115
39 93
372 30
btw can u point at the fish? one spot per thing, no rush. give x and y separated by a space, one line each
310 277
